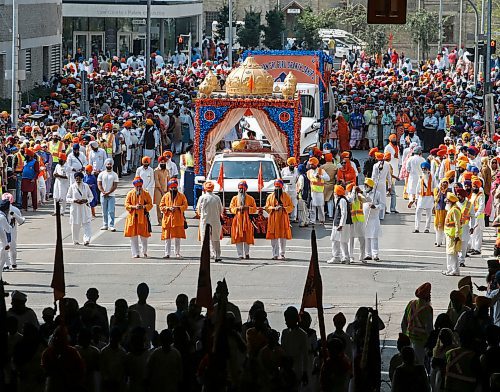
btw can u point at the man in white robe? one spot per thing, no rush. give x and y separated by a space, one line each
414 172
79 196
381 175
61 183
210 210
290 172
371 206
76 162
14 218
425 197
341 228
147 174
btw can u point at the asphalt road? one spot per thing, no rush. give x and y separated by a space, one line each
407 260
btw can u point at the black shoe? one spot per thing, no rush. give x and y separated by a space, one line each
462 264
416 231
367 258
5 283
394 212
14 266
247 257
376 259
218 260
426 231
5 268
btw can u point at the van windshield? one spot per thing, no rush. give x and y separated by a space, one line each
307 102
245 170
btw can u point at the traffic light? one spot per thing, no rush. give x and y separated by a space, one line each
493 46
180 43
386 12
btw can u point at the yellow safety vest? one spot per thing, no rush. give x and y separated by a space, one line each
416 314
476 204
357 211
54 151
451 222
466 207
317 184
459 373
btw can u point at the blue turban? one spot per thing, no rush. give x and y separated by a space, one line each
425 165
76 146
301 168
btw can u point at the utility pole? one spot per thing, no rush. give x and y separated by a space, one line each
476 41
460 23
148 41
488 96
14 105
440 24
230 34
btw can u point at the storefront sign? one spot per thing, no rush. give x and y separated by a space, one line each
293 11
140 22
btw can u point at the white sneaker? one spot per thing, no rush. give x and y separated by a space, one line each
333 260
111 228
104 228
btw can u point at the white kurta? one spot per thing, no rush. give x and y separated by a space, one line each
318 198
414 173
76 164
210 209
345 234
61 185
382 176
425 202
127 138
79 213
148 176
394 161
372 218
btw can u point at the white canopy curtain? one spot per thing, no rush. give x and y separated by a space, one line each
277 139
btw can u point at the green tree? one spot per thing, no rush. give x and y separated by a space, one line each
307 27
223 21
249 35
423 28
274 28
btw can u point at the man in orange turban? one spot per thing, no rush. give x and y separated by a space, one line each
147 174
331 169
172 205
138 203
291 173
417 321
381 174
478 202
278 206
317 178
341 229
242 206
210 209
161 179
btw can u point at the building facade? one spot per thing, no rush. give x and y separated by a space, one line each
118 27
39 27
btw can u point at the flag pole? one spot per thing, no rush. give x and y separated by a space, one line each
319 295
58 282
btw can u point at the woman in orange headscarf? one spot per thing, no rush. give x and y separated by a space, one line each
346 174
343 132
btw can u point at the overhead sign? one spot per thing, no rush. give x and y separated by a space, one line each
141 22
293 11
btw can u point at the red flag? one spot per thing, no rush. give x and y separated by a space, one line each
260 179
220 179
318 72
58 283
313 289
204 292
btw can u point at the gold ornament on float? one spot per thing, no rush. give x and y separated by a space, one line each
289 86
249 79
208 86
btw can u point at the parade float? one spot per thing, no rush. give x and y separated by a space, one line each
249 91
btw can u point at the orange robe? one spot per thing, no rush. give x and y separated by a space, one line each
343 134
278 223
347 174
137 223
242 228
172 224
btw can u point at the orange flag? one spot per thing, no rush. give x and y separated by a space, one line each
58 283
260 179
204 292
251 83
313 289
220 179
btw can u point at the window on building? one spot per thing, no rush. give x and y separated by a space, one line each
55 59
449 29
210 16
27 60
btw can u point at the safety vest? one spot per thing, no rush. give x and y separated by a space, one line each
426 190
415 318
452 221
476 204
19 163
357 211
54 150
317 184
465 210
459 370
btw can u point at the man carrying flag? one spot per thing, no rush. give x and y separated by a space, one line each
242 205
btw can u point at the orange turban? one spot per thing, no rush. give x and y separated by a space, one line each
372 152
89 168
467 176
393 137
208 186
450 174
62 156
441 153
463 158
29 152
168 154
291 161
314 161
162 159
128 124
477 183
146 160
387 156
344 155
339 190
379 156
329 157
349 187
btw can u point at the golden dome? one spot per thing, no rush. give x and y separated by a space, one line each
289 86
249 79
